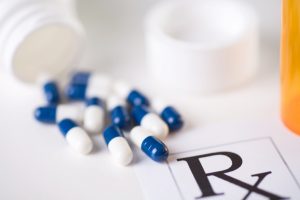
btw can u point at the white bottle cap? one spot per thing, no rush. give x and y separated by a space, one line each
40 38
200 46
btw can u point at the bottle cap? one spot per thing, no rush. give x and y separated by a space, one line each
201 46
41 39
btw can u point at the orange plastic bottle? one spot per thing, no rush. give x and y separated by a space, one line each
290 65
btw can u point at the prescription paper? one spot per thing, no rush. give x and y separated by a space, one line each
233 160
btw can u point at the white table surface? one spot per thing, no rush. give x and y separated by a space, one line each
36 163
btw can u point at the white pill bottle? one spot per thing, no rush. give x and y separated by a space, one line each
39 37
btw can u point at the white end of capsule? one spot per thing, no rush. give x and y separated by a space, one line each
156 125
93 120
158 105
79 140
138 135
70 111
121 88
114 101
120 150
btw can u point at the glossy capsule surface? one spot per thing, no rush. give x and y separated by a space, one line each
172 117
75 136
117 145
119 114
94 115
51 92
150 145
150 121
169 114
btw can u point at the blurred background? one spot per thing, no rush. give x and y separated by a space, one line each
115 44
116 37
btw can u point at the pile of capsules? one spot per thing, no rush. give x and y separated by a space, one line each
128 111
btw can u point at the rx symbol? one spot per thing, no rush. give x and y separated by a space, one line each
205 186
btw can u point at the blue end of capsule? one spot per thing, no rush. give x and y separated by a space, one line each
52 93
94 101
120 117
136 98
172 118
137 113
65 125
111 132
45 114
155 149
76 91
81 78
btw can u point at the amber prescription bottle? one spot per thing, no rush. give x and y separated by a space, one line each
290 65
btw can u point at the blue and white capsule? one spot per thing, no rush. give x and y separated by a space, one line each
118 112
169 114
97 85
150 121
52 114
132 96
76 137
117 145
94 115
50 89
150 145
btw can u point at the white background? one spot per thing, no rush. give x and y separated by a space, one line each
35 162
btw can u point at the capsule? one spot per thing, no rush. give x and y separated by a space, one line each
76 137
117 145
150 145
50 89
118 112
51 114
81 77
95 85
150 121
132 96
169 114
94 115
